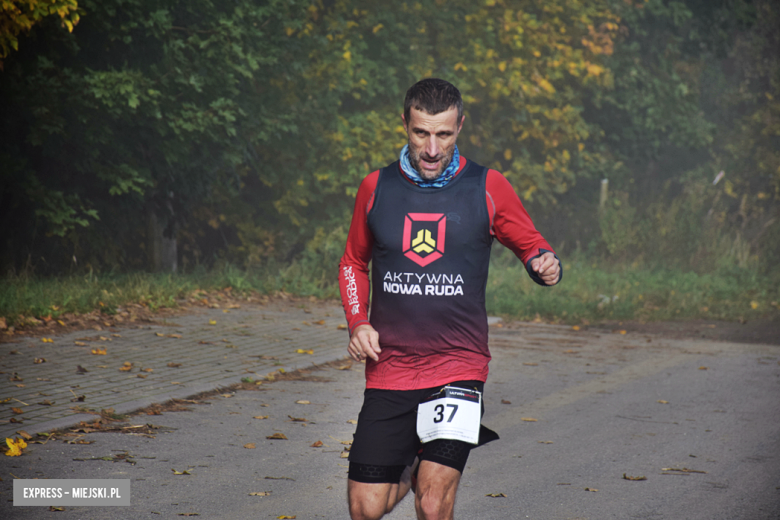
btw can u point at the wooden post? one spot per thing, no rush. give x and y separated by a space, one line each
603 195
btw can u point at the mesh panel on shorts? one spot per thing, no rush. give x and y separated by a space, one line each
374 474
447 452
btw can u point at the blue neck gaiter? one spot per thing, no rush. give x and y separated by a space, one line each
442 180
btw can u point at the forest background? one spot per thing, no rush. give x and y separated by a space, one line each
225 140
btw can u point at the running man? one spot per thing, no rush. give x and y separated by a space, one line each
426 222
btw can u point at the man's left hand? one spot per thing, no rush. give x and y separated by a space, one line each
547 267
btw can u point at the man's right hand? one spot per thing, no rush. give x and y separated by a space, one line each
364 343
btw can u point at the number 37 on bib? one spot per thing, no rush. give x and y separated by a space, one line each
452 413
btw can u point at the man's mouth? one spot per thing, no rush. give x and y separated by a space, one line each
430 163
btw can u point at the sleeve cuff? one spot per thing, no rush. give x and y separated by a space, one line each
535 277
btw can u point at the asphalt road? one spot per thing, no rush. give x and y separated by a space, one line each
602 405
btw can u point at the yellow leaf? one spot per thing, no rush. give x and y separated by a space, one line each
502 66
302 351
302 402
61 322
259 494
754 304
508 154
250 445
591 489
212 322
575 327
661 401
260 417
101 351
347 55
595 70
277 436
377 28
289 31
287 517
528 419
185 472
351 421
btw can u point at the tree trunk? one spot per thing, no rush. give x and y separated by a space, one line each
162 250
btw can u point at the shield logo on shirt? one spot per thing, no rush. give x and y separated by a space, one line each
424 237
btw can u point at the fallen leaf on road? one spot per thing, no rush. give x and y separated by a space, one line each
141 376
46 402
147 370
17 410
100 351
545 442
319 322
528 419
15 447
250 445
188 514
14 420
260 417
341 327
259 494
174 365
317 444
496 495
81 370
160 334
177 336
575 327
302 402
26 436
625 477
702 368
39 360
285 517
126 367
185 472
15 377
344 455
683 470
302 351
351 421
47 340
662 401
531 364
212 322
504 401
279 436
297 419
570 351
591 489
80 343
280 478
78 398
55 508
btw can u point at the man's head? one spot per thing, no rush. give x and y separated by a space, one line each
433 117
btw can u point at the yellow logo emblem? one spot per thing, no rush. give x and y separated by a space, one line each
424 242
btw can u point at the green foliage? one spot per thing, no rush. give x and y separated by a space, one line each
19 16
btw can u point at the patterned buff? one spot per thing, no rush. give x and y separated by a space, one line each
442 180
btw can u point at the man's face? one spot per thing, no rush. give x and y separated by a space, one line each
432 140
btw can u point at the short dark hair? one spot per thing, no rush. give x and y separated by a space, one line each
432 96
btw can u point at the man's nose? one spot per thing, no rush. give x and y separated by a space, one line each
432 147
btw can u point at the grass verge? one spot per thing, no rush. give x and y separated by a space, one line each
590 292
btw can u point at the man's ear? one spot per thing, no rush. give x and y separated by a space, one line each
460 126
406 126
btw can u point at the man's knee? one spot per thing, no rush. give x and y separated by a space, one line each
369 501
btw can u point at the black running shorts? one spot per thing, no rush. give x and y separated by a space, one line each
386 441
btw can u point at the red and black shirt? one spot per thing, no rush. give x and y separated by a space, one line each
430 249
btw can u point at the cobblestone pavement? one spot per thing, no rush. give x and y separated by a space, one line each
180 357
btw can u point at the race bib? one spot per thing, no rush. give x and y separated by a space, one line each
452 413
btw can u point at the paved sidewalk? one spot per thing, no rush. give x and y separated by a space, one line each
183 356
